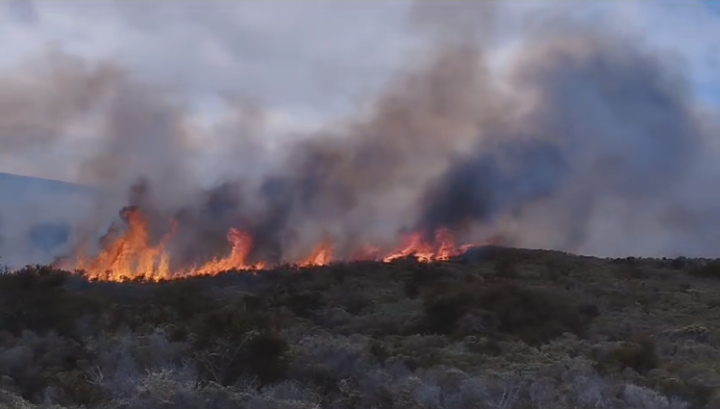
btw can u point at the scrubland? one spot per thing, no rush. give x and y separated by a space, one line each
497 328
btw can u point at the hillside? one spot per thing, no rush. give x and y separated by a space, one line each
37 216
17 184
507 328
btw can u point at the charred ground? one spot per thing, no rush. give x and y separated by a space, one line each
508 329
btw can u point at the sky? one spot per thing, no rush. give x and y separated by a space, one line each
305 62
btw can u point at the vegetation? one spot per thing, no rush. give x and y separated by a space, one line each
511 329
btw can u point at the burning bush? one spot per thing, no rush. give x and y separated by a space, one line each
130 254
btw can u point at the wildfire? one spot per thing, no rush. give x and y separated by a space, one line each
128 254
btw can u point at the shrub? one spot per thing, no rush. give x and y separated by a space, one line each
73 387
533 315
640 354
303 304
260 355
644 398
442 314
412 289
507 268
35 299
325 360
33 362
354 304
678 263
710 269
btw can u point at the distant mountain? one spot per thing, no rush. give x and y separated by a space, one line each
18 184
37 216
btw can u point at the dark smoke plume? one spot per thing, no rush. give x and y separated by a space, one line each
607 121
475 189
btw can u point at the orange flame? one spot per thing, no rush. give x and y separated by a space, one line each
321 256
129 255
366 253
241 245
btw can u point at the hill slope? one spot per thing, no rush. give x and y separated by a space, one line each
511 329
37 216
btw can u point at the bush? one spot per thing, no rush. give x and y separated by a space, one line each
710 269
442 314
35 299
303 304
411 289
260 355
679 263
640 354
643 398
509 311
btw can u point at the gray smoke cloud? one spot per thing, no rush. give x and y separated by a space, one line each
121 131
591 134
607 121
586 140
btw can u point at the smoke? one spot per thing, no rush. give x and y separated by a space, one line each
582 139
606 122
111 131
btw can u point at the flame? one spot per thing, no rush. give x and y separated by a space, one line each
366 253
129 254
321 256
414 246
237 260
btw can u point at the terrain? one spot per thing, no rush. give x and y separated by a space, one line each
494 328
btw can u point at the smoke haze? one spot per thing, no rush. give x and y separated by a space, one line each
581 139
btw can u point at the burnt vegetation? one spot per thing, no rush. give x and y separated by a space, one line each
512 329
